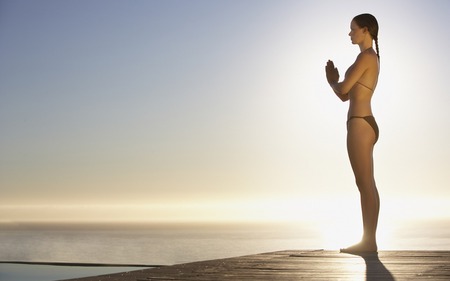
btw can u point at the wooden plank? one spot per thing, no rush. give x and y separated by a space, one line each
302 265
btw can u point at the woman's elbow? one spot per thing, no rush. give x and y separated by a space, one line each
344 97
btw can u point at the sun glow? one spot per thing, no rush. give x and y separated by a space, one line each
330 214
333 222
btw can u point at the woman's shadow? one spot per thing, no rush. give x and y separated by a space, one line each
375 269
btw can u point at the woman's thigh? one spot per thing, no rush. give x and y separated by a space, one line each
360 142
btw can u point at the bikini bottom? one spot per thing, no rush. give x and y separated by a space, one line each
371 120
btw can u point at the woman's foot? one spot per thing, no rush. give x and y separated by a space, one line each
361 248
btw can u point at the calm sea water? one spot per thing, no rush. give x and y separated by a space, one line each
169 243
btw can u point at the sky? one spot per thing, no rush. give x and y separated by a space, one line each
214 110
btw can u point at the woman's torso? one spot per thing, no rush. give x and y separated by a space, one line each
360 95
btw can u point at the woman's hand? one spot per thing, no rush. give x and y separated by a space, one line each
331 72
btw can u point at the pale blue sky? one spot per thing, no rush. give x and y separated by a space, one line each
189 107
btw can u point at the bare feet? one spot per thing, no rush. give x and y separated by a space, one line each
361 248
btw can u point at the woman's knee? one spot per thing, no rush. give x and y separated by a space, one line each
364 184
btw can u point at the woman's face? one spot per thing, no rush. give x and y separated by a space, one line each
357 34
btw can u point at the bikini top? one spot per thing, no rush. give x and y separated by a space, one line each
359 83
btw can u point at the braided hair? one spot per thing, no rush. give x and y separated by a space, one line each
369 21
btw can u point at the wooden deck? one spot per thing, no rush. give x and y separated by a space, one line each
302 265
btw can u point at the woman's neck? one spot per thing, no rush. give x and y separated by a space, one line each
365 46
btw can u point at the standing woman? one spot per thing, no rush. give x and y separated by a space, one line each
362 131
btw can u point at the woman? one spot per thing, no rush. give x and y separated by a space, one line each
362 131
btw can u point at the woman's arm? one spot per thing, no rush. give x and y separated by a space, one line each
343 97
333 77
354 74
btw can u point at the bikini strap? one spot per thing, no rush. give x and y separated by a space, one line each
364 86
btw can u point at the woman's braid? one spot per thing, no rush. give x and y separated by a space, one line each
376 46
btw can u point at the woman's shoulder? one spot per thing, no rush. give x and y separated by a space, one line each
364 61
367 59
368 55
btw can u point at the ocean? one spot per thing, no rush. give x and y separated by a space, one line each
155 244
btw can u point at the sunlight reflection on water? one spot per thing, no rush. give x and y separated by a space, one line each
171 243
